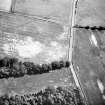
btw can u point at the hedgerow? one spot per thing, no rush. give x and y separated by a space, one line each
11 67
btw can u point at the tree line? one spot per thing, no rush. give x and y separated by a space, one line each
100 28
12 67
48 96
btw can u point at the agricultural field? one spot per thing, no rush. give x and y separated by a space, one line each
89 13
59 10
89 62
34 39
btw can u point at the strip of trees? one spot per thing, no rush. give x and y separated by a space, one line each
12 67
48 96
99 28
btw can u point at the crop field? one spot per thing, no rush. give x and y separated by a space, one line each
90 13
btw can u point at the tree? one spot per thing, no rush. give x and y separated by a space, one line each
49 67
62 63
5 72
87 27
67 63
13 61
22 69
37 69
55 65
1 63
6 61
30 67
45 68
